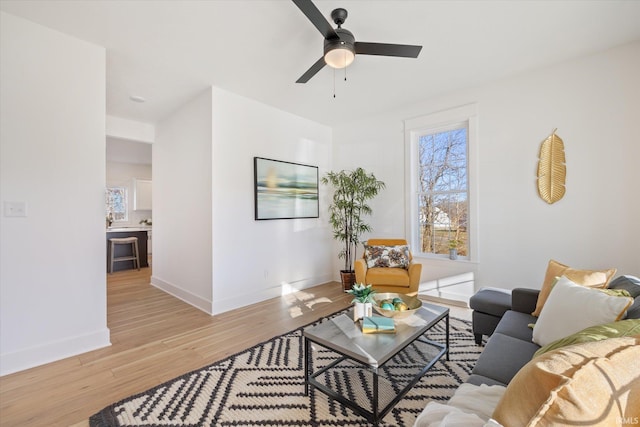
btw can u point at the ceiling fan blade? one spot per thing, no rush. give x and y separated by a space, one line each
312 71
315 16
385 49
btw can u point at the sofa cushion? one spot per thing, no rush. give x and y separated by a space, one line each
571 308
515 324
623 328
589 278
387 256
388 276
503 357
494 301
586 384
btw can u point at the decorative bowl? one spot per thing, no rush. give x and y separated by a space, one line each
412 304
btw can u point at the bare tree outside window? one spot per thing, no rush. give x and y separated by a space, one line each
443 191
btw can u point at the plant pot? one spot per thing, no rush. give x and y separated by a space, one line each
362 310
348 278
453 254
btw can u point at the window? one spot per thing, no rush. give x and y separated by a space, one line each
116 203
442 191
440 155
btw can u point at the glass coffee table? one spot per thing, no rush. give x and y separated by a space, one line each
371 373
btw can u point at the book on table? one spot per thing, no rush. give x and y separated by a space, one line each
378 325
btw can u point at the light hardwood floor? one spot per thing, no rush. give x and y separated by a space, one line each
155 338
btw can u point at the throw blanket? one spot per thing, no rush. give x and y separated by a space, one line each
470 406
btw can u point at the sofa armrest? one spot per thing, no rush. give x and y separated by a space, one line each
360 266
524 300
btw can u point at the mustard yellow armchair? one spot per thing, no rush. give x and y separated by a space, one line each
389 279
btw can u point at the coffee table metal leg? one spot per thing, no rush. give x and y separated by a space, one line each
447 322
307 367
375 397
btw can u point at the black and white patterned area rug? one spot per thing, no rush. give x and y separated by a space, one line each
264 386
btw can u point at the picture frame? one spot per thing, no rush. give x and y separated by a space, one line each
284 190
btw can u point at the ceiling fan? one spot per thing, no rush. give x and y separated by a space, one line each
340 46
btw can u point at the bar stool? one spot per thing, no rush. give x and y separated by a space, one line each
135 255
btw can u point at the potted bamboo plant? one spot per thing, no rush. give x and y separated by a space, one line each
351 191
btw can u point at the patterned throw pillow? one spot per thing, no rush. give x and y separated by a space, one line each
387 256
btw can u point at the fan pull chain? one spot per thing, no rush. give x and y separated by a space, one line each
345 68
334 82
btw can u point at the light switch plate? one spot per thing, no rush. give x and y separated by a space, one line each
15 209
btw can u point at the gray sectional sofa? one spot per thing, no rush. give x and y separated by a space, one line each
505 316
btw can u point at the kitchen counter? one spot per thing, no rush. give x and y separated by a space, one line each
125 250
126 229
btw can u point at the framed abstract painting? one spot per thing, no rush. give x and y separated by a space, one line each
284 190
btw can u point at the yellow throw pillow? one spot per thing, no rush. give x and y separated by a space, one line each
594 384
589 278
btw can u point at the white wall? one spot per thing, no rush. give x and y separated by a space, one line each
131 130
128 151
122 175
182 203
593 102
208 249
255 260
52 156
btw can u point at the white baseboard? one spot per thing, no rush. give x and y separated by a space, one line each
242 300
184 295
443 300
221 305
54 351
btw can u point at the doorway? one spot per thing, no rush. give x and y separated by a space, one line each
129 177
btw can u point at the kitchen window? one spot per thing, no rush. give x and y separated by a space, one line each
116 203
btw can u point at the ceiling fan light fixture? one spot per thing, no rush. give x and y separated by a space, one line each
340 52
339 57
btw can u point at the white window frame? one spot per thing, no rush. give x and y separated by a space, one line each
440 121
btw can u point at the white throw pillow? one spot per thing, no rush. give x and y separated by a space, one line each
571 308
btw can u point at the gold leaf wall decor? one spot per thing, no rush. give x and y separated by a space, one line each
552 171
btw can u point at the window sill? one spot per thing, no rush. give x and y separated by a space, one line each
443 258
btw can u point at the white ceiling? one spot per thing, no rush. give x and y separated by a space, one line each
168 51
